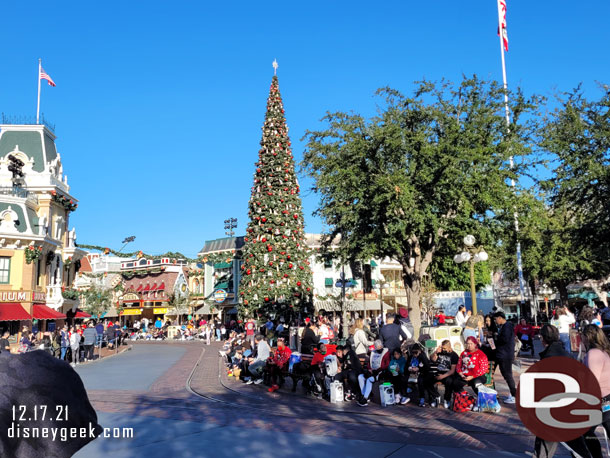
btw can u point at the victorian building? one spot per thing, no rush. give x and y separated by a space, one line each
38 255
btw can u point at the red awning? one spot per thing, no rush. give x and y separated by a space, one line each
80 314
42 312
153 287
13 312
147 287
139 288
161 286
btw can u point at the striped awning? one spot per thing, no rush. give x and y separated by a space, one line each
352 306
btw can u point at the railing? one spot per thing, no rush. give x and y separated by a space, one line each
18 192
26 120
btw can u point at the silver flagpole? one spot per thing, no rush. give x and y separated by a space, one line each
38 105
512 181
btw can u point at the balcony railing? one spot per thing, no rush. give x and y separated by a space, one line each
18 192
26 120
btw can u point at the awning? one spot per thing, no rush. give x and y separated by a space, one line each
205 310
110 313
178 311
373 264
352 306
223 285
147 287
42 312
222 265
80 314
139 288
153 287
13 312
161 286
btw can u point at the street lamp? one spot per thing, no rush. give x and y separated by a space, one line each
472 255
230 224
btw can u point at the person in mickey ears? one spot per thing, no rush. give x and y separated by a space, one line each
505 353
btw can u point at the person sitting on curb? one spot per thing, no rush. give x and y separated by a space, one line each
349 368
379 362
317 371
277 363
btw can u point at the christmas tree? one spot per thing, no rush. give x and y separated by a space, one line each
276 277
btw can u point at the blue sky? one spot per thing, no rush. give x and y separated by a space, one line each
158 105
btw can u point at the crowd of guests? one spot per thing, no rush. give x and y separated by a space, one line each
73 343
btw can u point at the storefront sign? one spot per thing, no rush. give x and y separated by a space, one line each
360 295
131 312
22 296
160 310
220 296
130 297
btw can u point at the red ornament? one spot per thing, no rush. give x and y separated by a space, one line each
269 248
246 302
290 266
266 299
272 281
285 275
298 283
263 219
263 239
258 170
295 216
270 263
288 257
308 289
248 271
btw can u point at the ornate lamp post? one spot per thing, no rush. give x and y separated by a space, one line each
472 255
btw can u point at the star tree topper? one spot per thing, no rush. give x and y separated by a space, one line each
275 66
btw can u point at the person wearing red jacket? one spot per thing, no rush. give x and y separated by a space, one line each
278 362
525 333
471 370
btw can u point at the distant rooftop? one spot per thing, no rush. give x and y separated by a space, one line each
224 244
26 120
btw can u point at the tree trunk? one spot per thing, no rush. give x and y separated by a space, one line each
597 287
563 293
413 289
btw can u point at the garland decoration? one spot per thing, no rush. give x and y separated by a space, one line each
138 254
32 253
64 201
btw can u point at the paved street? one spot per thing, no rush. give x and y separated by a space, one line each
177 410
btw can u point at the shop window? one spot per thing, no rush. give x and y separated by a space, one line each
5 270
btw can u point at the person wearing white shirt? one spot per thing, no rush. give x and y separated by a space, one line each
460 317
563 320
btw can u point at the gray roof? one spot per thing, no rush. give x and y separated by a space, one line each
224 244
352 306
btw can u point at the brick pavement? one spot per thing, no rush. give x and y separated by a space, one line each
223 401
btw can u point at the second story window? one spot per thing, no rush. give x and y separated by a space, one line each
5 270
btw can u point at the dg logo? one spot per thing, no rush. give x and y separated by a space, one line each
559 399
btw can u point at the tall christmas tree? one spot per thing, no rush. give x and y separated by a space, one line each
276 277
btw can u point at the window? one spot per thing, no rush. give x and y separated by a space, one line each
5 269
328 264
328 282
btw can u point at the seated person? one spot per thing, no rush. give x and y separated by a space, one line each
378 362
317 369
446 360
395 374
419 373
277 363
471 369
348 370
254 366
525 333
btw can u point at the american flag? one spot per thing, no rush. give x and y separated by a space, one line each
44 76
502 28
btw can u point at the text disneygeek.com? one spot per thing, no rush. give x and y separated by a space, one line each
17 431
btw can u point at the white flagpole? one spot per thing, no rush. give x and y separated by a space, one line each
38 105
512 181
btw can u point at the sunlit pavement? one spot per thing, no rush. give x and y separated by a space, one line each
145 389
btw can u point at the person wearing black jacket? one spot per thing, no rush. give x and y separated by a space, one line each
505 352
310 340
391 333
418 371
349 368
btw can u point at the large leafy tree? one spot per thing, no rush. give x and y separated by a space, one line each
98 300
578 135
276 276
428 168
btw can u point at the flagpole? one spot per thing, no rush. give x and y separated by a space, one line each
512 181
38 105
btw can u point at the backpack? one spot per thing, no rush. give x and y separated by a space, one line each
330 364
